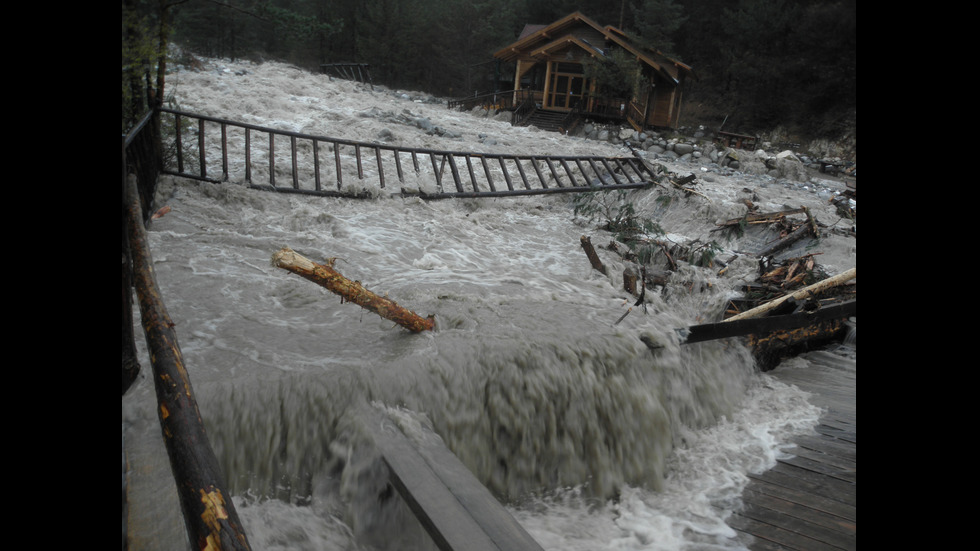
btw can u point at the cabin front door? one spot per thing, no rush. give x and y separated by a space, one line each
565 87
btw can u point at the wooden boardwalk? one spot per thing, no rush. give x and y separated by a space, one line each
809 501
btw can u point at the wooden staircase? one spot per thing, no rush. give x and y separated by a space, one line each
546 120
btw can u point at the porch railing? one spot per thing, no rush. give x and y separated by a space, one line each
574 117
524 110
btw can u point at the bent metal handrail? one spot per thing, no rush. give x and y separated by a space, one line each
488 172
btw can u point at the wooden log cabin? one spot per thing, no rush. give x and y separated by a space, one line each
551 65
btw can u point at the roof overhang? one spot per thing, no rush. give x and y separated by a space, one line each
546 34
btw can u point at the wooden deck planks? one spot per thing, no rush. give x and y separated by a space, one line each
808 501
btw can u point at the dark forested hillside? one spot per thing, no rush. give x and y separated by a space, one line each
761 64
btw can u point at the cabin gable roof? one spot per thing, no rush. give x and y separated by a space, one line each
538 42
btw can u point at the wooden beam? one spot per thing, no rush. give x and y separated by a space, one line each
457 511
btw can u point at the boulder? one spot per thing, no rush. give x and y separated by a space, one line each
788 155
683 148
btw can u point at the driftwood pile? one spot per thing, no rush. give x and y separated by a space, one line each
787 294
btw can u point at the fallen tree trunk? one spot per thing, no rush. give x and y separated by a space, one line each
351 291
802 294
209 514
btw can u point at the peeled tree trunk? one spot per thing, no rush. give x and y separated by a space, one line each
351 291
209 514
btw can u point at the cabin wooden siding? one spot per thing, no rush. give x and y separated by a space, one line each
664 107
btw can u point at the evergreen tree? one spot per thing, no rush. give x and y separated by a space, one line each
655 23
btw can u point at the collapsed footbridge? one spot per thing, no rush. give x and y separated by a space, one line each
216 150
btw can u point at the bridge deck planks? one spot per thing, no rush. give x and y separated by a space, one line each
808 501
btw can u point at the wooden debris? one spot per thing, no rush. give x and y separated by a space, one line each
842 202
769 348
773 337
639 299
789 275
679 184
802 294
763 218
593 257
764 325
809 228
351 291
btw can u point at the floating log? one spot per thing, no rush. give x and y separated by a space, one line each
802 294
209 514
593 257
351 291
